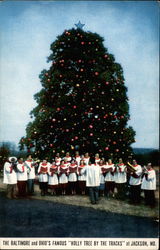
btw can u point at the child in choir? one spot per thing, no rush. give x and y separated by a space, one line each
135 183
53 178
58 159
72 178
149 185
31 174
10 177
81 178
97 159
77 157
109 178
43 176
102 180
86 158
21 178
63 176
67 157
120 178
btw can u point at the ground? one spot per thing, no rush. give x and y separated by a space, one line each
74 216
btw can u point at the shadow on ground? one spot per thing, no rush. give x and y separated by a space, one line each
37 218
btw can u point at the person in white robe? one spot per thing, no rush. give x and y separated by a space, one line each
43 176
31 174
93 176
10 176
21 178
120 178
53 178
135 183
149 185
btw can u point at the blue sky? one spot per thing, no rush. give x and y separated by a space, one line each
130 30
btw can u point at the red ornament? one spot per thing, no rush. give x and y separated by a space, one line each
106 148
96 73
91 126
74 106
107 83
105 56
91 134
58 109
60 76
114 142
117 150
76 137
82 43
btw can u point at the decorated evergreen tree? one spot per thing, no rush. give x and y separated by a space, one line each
83 103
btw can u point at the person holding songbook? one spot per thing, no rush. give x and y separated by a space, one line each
58 159
67 157
53 178
135 171
77 158
31 174
81 178
149 185
10 176
63 176
43 176
72 178
120 178
108 170
21 178
97 159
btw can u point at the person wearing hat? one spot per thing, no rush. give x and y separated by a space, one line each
10 177
93 176
149 185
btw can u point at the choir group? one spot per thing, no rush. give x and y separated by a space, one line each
81 174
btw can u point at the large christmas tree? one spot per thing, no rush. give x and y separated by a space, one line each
83 103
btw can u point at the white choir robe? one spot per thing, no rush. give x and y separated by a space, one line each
81 177
30 169
102 180
86 160
22 172
72 176
109 176
9 175
136 181
150 182
120 175
63 177
93 175
78 159
97 160
52 180
43 177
